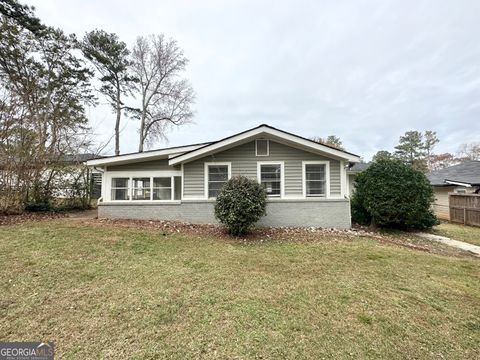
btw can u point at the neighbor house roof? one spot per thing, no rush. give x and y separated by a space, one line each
182 154
358 168
467 173
79 157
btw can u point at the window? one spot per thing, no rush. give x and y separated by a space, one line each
146 188
141 188
315 177
217 176
162 188
262 147
271 178
120 189
178 188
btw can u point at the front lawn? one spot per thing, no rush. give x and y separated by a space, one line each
102 291
470 234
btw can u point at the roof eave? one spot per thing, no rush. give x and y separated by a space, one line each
142 156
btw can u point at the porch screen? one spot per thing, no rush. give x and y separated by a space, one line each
120 188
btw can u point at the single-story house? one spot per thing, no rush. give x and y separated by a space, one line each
306 182
462 178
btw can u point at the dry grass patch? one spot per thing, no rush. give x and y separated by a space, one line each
126 292
470 234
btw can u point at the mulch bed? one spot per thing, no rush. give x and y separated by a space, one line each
296 234
21 218
290 234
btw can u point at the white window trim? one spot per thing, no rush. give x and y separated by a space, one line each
282 176
268 147
205 173
327 178
139 174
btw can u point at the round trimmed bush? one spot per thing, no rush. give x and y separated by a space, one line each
240 204
391 194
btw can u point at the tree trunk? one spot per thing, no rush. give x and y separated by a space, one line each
142 129
117 130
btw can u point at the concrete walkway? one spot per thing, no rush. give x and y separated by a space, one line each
455 243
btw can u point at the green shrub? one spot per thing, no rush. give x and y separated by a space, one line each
240 204
392 194
38 207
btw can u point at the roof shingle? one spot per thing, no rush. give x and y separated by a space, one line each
467 172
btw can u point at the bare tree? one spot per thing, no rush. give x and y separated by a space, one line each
330 140
44 89
469 151
441 161
165 96
430 140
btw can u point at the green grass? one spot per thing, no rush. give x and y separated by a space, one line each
470 234
106 292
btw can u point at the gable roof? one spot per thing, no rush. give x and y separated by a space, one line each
181 154
466 173
274 134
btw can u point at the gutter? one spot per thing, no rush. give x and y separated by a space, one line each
458 183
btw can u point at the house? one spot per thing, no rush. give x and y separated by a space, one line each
352 173
461 178
306 182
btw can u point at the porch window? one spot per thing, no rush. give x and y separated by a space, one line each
218 175
271 179
315 179
141 188
120 189
162 188
146 188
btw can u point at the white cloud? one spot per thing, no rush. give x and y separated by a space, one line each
364 70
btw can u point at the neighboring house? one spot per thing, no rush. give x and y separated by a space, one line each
352 174
306 182
461 178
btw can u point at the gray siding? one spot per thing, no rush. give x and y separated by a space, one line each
244 162
299 213
161 164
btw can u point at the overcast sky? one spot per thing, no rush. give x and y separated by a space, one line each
366 71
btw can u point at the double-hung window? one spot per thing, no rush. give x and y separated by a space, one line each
315 176
271 177
217 174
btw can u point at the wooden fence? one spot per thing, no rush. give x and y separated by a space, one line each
465 208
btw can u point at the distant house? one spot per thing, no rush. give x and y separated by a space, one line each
306 182
461 178
352 174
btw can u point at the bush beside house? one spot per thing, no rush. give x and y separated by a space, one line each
392 194
240 204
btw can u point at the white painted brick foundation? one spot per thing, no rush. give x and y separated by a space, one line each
332 213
